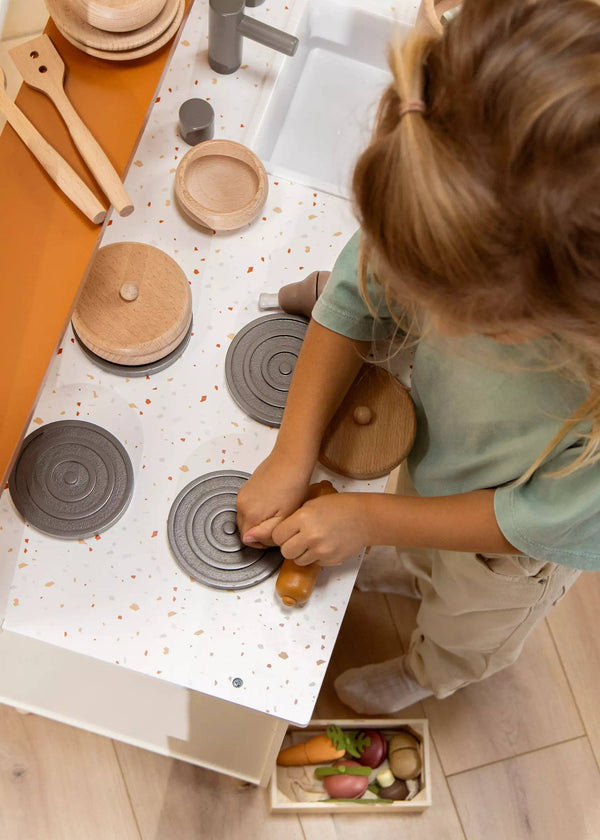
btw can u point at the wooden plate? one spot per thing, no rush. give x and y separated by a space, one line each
129 55
371 449
119 15
135 305
221 184
69 18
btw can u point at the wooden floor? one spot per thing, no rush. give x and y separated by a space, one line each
514 758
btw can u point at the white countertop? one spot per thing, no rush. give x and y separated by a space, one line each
121 597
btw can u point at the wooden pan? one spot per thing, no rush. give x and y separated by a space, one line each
221 184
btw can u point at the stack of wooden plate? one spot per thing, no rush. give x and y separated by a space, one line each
117 30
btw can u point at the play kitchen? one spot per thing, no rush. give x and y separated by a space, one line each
165 395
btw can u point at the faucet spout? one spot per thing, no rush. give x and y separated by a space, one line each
256 30
227 27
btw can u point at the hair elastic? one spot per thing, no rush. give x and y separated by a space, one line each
411 106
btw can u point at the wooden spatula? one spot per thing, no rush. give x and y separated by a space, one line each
56 166
42 68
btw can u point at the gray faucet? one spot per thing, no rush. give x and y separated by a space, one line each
227 25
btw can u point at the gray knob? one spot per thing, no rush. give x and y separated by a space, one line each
196 121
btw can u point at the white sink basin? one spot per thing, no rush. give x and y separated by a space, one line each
321 109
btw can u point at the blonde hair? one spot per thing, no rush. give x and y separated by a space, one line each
485 209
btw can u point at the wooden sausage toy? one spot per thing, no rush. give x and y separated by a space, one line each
295 583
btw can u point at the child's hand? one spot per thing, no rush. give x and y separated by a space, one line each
275 490
327 530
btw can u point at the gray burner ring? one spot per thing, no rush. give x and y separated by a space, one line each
136 370
260 362
203 534
72 479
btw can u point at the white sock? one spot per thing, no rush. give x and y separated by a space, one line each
382 570
382 688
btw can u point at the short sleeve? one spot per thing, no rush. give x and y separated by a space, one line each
555 518
341 306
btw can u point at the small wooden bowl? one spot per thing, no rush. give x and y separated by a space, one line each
221 184
119 15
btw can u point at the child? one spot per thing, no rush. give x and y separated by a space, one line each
479 204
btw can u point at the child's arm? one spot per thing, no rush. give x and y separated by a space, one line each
330 529
325 369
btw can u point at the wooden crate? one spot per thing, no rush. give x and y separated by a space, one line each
281 801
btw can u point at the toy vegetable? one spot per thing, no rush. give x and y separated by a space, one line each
345 780
295 583
323 748
404 756
375 749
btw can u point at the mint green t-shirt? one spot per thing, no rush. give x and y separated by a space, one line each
484 414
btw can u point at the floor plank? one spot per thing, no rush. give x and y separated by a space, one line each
173 799
551 794
524 707
573 624
59 783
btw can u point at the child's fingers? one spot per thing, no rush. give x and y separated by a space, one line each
295 548
261 535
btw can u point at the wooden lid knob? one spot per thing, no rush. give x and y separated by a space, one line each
129 291
362 415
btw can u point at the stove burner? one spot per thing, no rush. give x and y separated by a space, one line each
204 539
72 479
136 370
260 362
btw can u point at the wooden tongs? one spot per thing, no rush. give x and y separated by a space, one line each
42 68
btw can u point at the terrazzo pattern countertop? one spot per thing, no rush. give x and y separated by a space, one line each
120 597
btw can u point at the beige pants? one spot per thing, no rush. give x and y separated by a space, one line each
476 610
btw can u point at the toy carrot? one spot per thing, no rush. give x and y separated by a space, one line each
322 748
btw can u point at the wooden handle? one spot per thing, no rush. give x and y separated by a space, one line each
295 583
42 68
56 166
95 157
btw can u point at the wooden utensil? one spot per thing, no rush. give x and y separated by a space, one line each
43 69
56 166
295 583
119 15
221 184
72 20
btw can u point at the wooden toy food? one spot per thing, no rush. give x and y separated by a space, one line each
295 583
319 749
404 756
375 750
345 780
390 787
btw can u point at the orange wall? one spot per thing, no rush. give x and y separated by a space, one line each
45 242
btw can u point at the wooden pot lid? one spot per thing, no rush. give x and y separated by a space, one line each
135 305
374 428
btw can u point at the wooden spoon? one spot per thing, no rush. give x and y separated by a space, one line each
56 166
42 68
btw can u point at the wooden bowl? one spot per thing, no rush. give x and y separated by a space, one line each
221 185
119 15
